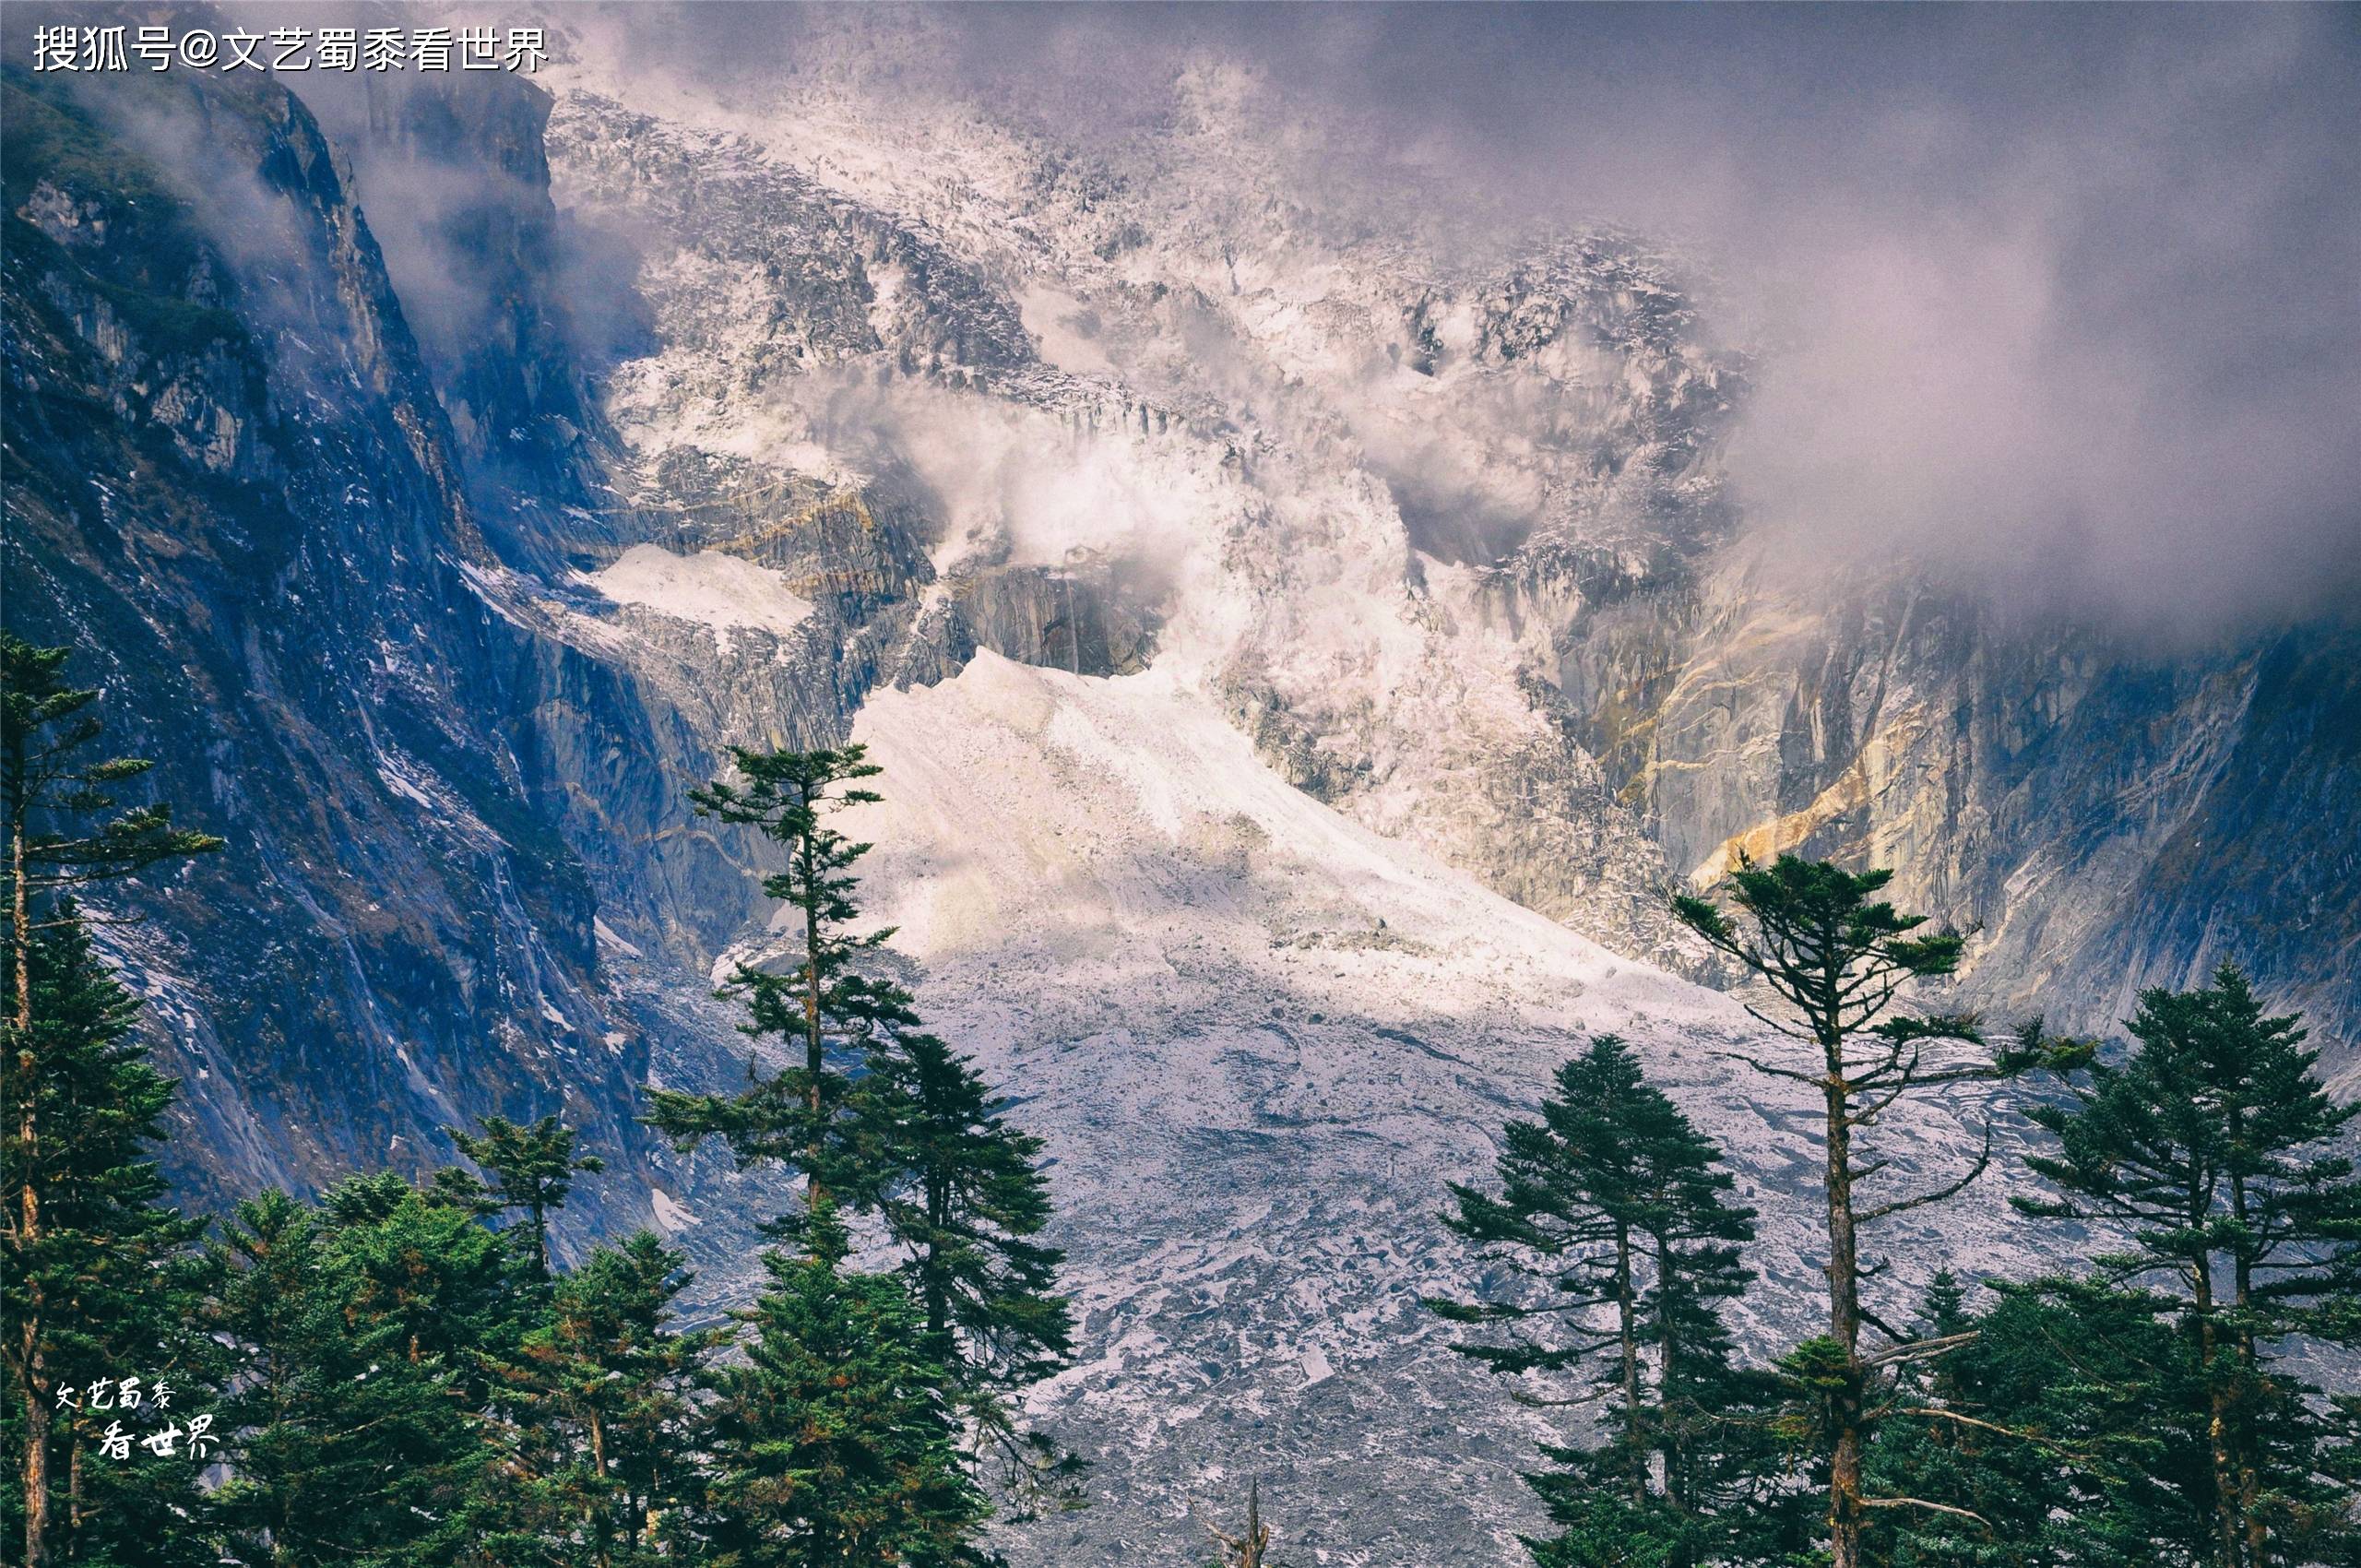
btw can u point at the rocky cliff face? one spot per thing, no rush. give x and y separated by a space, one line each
229 469
1247 602
2100 819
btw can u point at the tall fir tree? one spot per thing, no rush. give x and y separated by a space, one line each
532 1168
2212 1156
826 1006
1618 1213
111 1263
1837 958
833 1443
885 1119
63 832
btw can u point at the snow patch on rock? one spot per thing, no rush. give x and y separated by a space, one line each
709 588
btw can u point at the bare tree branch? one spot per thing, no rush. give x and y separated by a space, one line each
1922 1503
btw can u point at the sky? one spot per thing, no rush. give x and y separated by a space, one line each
2066 298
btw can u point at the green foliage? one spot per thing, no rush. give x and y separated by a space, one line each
397 1400
46 784
1602 1528
832 1442
107 1262
154 246
359 1330
1616 1214
83 1231
533 1169
966 1200
1799 906
397 1384
807 1115
1818 1373
2213 1153
2050 1427
1838 957
2213 1157
883 1118
598 1427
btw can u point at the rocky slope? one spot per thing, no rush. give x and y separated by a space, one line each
1260 1038
232 483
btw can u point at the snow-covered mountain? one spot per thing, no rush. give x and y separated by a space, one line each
1302 642
1447 526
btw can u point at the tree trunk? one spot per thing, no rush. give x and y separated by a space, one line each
1627 1329
598 1467
938 1296
1845 1327
813 1056
28 1237
1676 1477
2249 1462
2228 1528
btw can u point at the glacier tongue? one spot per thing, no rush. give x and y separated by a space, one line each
1260 1039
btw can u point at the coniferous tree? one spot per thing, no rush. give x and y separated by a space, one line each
1838 957
50 791
597 1446
111 1263
297 1404
453 1187
967 1198
2212 1155
826 1006
363 1332
833 1445
1619 1212
532 1168
884 1118
2053 1433
426 1279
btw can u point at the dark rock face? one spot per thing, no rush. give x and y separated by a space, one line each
229 469
1079 620
457 181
